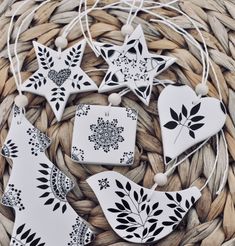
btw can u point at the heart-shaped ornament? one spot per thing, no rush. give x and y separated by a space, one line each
186 120
59 77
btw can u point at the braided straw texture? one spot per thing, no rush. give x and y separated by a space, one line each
212 220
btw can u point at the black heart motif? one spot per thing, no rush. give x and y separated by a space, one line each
59 77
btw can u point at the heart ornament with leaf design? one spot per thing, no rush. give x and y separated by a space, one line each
185 120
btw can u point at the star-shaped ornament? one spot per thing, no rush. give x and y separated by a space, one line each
58 76
132 66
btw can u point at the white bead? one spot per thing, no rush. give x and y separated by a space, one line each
61 42
115 99
202 89
21 101
127 30
160 179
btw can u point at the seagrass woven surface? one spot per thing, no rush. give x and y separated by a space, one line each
212 220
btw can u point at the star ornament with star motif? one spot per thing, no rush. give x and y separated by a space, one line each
132 66
58 76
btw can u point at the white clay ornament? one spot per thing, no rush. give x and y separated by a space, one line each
187 120
37 191
104 135
59 75
137 214
132 66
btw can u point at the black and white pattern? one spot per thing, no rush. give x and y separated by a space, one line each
186 120
131 65
9 149
106 134
12 198
37 191
58 76
38 141
77 154
127 158
81 234
26 237
55 186
137 214
103 183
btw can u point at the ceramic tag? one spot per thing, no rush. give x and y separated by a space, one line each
185 123
104 135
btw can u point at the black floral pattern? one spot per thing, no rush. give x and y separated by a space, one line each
127 158
106 134
103 183
186 119
12 198
56 185
132 113
38 141
81 234
82 110
10 149
25 237
77 154
129 213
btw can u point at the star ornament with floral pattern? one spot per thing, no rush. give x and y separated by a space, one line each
132 66
58 76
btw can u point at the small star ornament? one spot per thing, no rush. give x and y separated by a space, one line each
132 66
59 75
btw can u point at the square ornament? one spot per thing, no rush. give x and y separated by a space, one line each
104 135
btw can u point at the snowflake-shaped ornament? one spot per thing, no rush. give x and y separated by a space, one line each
58 76
132 66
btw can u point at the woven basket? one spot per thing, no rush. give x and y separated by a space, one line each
212 220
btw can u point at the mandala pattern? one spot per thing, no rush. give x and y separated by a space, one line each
103 183
128 158
77 154
132 113
81 234
12 198
25 237
9 149
82 109
38 141
132 66
106 134
56 186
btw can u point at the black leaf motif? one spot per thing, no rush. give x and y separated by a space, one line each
57 205
87 83
171 125
184 111
178 197
44 165
169 196
35 242
121 214
64 208
57 106
45 194
43 187
49 201
140 47
193 200
192 134
151 239
174 115
126 204
111 52
158 212
123 221
152 227
158 231
20 229
24 235
129 236
128 186
132 50
131 229
130 219
121 227
119 185
30 238
136 196
152 220
136 235
145 231
173 218
148 209
113 210
120 194
143 207
178 214
196 126
43 180
197 118
168 223
141 191
187 205
119 206
131 42
155 205
195 109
